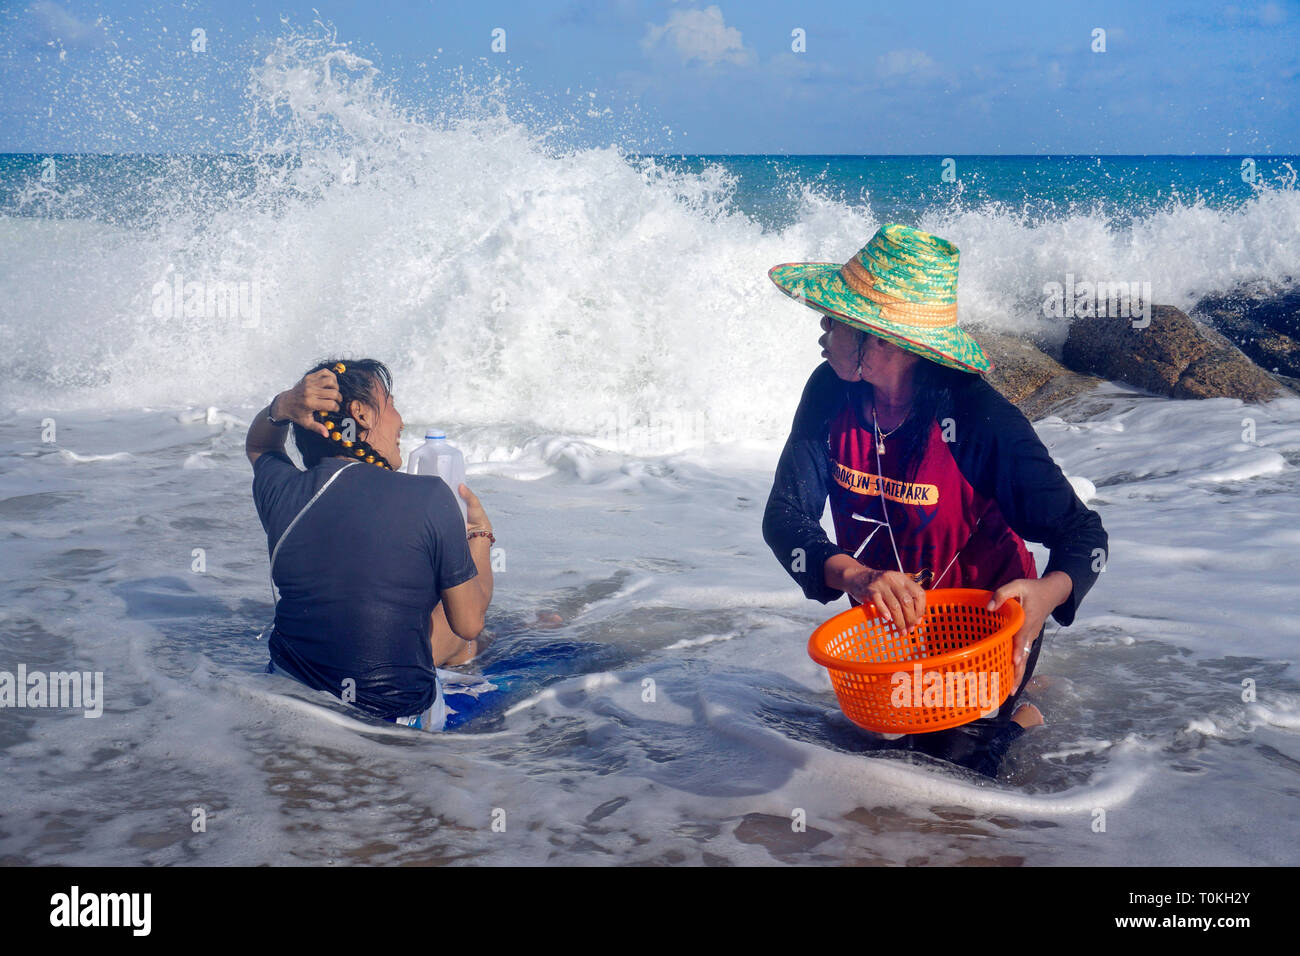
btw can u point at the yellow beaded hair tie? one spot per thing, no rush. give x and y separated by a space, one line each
358 448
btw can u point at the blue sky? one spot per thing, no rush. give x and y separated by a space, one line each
934 78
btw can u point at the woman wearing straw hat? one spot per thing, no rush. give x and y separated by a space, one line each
933 476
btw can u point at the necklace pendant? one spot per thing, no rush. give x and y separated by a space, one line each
880 447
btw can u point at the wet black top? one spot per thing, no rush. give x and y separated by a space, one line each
359 577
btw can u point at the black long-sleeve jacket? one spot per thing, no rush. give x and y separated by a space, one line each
1009 478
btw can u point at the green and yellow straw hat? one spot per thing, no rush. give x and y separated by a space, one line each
902 287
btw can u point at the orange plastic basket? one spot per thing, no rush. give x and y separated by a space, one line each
954 667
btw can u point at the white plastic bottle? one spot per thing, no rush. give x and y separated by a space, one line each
439 457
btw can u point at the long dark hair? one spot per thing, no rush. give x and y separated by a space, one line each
935 387
362 380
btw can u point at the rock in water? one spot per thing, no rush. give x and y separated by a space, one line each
1263 324
1173 356
1031 379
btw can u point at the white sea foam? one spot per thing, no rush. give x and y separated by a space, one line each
741 728
72 456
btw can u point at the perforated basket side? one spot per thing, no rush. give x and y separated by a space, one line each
945 673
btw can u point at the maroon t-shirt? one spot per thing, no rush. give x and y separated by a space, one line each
935 516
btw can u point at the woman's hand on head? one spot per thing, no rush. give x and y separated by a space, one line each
317 392
896 596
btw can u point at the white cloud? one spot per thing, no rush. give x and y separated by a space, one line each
61 26
700 35
1271 14
905 63
1268 15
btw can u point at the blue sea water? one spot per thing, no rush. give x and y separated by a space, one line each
595 329
1033 188
770 189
